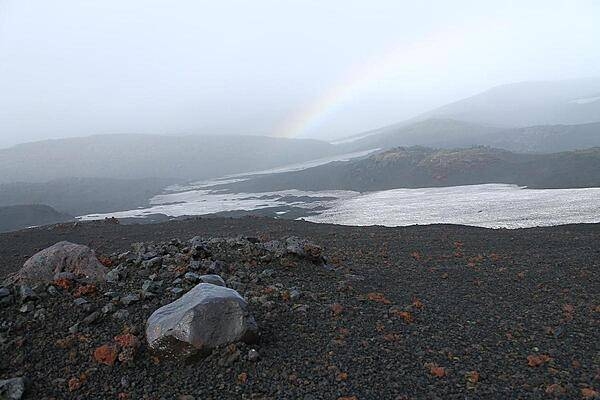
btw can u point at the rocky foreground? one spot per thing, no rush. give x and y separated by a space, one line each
266 309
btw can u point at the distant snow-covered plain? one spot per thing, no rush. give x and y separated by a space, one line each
489 205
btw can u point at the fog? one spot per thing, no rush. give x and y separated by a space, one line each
270 67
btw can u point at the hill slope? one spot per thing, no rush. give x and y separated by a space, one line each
529 103
24 216
449 134
425 167
148 156
78 196
421 312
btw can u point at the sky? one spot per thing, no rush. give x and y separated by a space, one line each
293 68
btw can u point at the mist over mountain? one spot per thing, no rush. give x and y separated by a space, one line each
449 133
178 158
522 104
77 196
434 132
109 173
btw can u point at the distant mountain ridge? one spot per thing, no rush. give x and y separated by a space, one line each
179 158
509 116
566 102
449 134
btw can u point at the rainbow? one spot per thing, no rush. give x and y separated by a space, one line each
400 60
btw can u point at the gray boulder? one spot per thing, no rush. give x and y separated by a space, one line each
214 279
12 389
205 317
67 257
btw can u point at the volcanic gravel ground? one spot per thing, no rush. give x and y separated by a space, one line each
416 312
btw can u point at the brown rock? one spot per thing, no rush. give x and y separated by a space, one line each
74 384
106 354
537 360
337 308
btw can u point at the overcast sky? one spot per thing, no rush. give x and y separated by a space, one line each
322 68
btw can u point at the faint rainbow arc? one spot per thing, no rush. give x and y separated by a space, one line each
435 48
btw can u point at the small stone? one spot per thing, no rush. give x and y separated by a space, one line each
253 355
130 299
74 384
295 294
110 307
40 314
301 308
267 273
113 275
192 277
26 293
80 301
12 389
212 278
124 382
28 307
176 290
232 283
152 263
106 354
52 290
74 328
150 286
121 314
128 340
215 267
90 319
4 292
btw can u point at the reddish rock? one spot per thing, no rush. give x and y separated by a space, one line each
378 297
106 354
74 384
84 290
537 360
472 376
63 283
556 390
242 378
436 370
588 393
128 340
337 308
